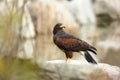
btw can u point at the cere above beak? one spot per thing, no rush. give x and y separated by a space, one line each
62 26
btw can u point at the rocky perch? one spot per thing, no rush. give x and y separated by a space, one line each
59 70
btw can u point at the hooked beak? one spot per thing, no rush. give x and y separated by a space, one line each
62 26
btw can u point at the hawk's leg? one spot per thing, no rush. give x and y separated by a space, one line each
69 55
68 60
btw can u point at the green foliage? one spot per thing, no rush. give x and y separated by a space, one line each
18 69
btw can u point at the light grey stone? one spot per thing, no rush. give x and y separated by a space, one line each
28 30
111 7
26 49
59 70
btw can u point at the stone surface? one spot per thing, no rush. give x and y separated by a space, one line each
59 70
28 29
27 34
110 7
26 49
110 47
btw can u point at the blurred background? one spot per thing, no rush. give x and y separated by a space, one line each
26 36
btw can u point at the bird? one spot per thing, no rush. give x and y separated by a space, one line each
70 44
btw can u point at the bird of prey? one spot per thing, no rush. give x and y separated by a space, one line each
69 44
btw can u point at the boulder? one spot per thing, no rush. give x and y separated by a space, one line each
110 47
110 7
59 70
27 33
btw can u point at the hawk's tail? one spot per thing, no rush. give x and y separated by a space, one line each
89 58
92 49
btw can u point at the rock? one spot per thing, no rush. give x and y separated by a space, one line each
110 7
59 70
26 49
57 13
27 30
110 48
27 33
81 10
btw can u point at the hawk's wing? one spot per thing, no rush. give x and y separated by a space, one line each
71 44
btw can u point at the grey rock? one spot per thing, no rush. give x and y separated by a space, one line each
26 49
110 7
110 47
59 70
28 30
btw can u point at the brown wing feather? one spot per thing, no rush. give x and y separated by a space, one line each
71 44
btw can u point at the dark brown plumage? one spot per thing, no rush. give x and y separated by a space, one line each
69 44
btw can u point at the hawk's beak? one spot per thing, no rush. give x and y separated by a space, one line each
62 26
